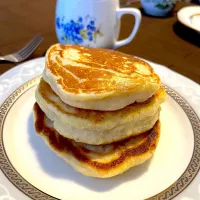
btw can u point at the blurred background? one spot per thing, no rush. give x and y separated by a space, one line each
163 40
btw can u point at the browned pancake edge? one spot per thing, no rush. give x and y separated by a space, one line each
62 144
95 116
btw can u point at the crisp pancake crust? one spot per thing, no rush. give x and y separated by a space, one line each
98 127
94 79
98 161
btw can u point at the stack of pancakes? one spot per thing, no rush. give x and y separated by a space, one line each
98 109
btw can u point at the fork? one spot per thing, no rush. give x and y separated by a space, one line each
25 52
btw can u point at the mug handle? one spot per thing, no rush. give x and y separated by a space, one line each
137 14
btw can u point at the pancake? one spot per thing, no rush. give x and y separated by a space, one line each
98 79
98 127
98 161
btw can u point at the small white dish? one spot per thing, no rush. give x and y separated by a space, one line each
190 17
161 8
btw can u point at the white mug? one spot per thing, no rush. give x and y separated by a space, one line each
93 23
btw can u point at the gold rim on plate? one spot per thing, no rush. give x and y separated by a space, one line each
176 188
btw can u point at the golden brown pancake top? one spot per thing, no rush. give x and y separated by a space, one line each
139 145
91 70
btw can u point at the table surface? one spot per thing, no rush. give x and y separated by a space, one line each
161 40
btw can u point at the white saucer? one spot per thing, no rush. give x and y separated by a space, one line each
190 17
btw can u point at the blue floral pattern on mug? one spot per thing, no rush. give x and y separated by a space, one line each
75 32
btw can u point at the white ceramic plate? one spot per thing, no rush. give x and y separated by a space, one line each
29 169
190 17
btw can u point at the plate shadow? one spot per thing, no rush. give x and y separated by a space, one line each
187 33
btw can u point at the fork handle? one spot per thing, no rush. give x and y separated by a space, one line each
2 58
